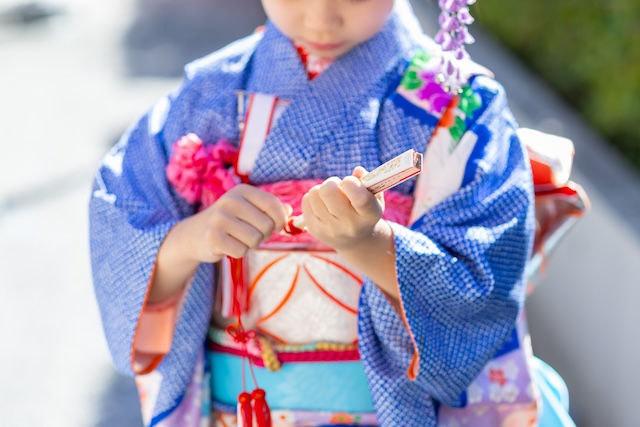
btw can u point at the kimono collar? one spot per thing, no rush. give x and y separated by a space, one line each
319 106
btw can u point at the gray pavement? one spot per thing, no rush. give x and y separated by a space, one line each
71 84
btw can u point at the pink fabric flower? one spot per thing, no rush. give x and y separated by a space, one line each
217 181
188 152
201 173
218 177
185 167
186 181
223 152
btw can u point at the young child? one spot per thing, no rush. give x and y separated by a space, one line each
387 309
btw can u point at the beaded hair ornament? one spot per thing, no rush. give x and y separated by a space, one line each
452 38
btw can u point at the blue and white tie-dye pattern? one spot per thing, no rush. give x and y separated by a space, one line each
460 266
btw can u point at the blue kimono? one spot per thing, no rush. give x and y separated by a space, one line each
460 265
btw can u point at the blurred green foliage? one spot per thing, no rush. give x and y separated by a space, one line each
588 50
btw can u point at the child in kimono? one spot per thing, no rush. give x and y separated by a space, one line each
387 309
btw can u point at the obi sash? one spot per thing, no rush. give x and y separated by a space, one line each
318 386
303 305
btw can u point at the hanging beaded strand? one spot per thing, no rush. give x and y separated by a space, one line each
452 38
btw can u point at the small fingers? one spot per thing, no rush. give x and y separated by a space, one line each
333 198
359 172
248 235
235 248
258 220
270 205
233 211
244 218
360 198
220 241
314 204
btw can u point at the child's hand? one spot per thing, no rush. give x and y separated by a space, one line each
240 220
342 213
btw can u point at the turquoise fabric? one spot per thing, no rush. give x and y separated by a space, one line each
317 386
555 395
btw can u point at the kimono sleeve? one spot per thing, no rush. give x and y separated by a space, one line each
132 208
460 270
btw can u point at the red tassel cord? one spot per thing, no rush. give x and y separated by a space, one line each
240 302
240 294
245 417
291 229
260 408
245 413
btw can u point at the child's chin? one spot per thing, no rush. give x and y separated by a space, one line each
329 54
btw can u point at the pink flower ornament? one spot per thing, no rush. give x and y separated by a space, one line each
217 180
222 152
188 152
201 173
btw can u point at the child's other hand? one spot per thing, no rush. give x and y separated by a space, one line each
342 213
240 220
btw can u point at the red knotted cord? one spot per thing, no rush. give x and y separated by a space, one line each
260 408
